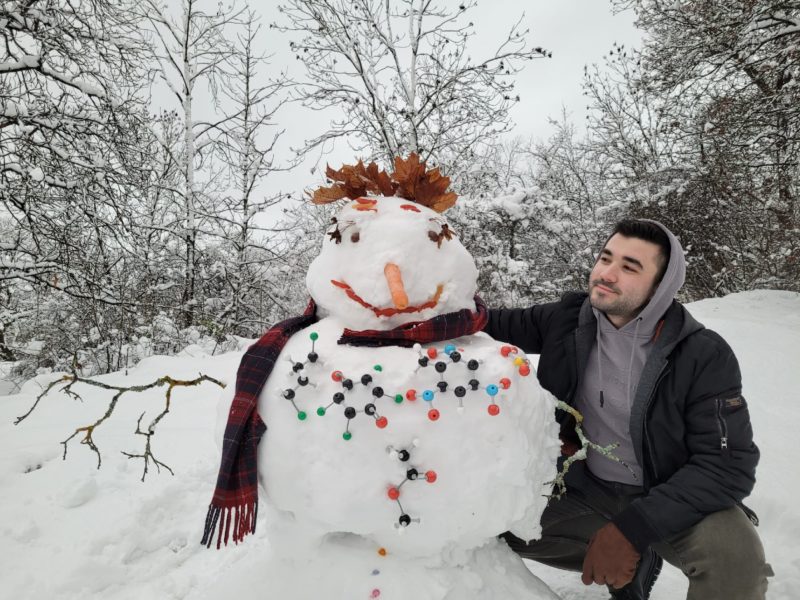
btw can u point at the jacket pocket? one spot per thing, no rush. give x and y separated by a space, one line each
731 411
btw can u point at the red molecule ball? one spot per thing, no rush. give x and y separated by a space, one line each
433 414
337 376
494 410
432 353
505 383
431 476
381 422
411 395
524 370
393 493
505 350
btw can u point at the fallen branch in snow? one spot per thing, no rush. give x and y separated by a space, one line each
581 453
148 455
88 430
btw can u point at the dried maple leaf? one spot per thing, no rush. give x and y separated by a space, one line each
325 195
428 188
410 180
381 178
406 174
354 181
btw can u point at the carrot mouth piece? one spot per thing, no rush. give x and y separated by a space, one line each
389 312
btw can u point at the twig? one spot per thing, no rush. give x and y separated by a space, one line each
607 451
88 430
148 455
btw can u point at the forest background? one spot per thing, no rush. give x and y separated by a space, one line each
149 198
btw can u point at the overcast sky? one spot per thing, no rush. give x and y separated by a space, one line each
577 32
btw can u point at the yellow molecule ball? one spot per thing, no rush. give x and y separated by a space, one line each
518 361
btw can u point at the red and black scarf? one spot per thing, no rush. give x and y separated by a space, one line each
235 501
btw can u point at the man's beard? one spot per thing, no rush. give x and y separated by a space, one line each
615 304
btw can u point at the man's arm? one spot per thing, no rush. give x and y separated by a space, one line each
721 468
521 327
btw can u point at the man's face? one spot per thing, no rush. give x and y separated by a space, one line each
623 278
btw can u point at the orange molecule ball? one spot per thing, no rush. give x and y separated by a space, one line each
382 551
393 493
337 376
381 422
411 395
432 353
433 414
505 383
494 410
524 370
431 476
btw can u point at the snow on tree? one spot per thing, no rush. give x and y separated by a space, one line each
704 128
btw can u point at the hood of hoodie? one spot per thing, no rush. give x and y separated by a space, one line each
613 370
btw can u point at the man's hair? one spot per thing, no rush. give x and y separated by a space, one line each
649 232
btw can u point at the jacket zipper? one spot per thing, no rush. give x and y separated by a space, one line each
723 429
645 435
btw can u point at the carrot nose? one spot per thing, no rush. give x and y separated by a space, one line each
395 281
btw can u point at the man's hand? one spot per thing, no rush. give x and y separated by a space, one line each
611 559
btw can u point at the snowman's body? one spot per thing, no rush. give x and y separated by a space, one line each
405 498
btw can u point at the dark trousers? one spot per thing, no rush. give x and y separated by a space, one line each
722 555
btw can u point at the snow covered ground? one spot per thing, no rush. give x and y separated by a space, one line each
70 530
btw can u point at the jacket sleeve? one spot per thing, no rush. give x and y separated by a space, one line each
720 470
521 327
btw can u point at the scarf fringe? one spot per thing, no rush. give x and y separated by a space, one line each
242 516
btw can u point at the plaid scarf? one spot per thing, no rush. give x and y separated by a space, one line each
235 498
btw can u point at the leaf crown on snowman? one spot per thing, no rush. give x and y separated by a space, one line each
411 180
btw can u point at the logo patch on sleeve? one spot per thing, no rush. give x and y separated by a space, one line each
734 402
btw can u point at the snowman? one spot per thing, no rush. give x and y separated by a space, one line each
400 439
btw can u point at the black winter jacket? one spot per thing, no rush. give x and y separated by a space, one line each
690 425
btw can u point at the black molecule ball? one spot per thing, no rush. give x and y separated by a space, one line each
349 412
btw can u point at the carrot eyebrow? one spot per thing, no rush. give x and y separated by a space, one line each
365 204
410 207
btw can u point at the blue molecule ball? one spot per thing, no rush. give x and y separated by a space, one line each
427 395
449 348
491 389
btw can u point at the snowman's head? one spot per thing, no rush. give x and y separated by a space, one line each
388 261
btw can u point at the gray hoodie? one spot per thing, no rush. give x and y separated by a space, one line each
613 370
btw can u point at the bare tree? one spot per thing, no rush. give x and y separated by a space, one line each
247 147
401 79
192 50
